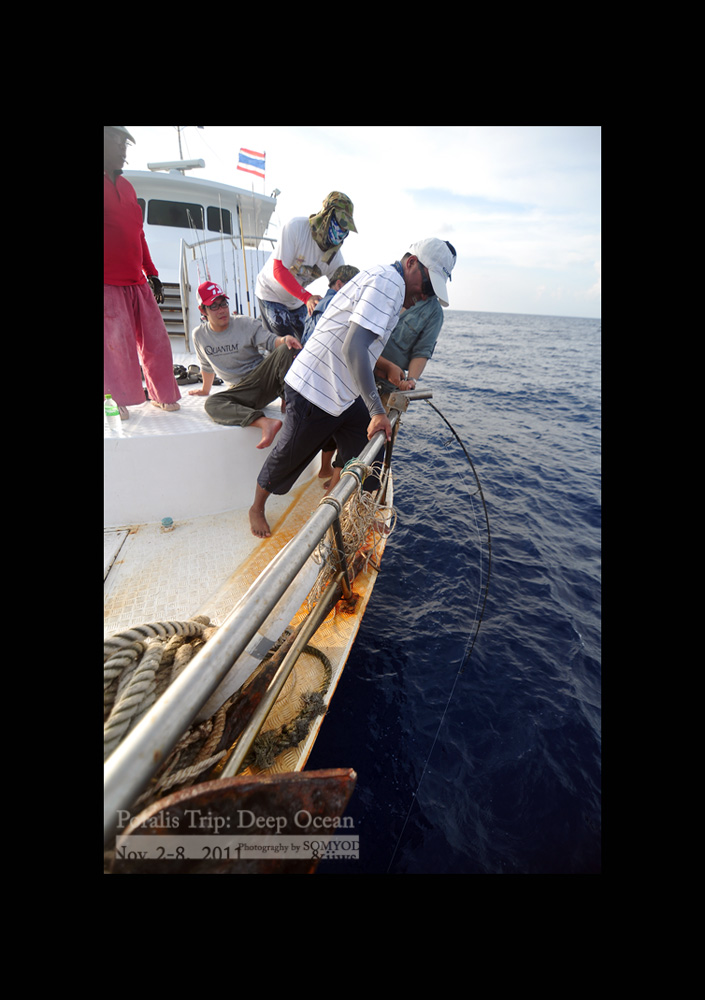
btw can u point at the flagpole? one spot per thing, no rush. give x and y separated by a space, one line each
252 163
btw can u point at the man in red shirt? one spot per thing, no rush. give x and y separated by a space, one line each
133 328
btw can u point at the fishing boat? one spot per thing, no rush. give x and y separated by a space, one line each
223 650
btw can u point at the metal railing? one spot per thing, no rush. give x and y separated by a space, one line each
139 756
242 273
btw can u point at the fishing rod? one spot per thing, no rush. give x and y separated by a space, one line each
222 245
200 248
244 259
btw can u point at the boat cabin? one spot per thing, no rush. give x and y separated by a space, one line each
200 230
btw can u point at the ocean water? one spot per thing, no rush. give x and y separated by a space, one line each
470 709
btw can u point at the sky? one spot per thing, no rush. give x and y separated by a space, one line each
521 204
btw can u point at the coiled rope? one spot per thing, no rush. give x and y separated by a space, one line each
141 663
267 746
138 665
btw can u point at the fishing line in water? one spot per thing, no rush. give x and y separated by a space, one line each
489 536
471 641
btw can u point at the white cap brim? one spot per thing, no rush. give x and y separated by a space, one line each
439 286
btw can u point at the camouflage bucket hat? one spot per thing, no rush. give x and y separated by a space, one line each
344 273
343 208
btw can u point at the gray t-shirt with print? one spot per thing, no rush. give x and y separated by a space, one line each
236 351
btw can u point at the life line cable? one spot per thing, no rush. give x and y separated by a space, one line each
487 521
467 655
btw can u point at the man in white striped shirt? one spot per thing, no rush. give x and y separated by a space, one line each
330 388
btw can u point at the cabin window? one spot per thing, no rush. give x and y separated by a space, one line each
214 217
143 205
178 214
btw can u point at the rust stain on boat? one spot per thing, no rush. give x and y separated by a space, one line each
220 815
304 500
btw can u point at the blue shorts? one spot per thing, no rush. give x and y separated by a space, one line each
306 430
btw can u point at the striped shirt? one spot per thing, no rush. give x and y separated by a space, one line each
373 300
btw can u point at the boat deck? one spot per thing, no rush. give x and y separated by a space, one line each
203 565
197 566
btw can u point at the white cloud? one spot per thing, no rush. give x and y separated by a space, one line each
521 204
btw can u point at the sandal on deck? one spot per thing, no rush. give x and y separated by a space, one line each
184 377
166 406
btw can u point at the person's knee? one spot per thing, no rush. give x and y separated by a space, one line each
220 410
211 403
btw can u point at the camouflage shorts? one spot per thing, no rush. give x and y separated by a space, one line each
282 321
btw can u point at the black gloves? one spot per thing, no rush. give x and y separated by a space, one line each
156 286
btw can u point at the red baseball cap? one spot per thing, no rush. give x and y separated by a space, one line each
208 292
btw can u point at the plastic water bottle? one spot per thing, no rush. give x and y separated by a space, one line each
112 415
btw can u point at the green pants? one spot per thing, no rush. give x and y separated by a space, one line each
240 405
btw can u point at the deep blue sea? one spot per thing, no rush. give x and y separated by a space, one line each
479 752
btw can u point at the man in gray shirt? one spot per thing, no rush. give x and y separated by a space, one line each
231 348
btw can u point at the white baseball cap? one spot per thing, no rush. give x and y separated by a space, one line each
438 257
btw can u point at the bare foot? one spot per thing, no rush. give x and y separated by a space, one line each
334 480
269 427
167 406
258 523
326 465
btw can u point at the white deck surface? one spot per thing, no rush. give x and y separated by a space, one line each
183 466
179 464
172 576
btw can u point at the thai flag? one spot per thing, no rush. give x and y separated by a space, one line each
251 162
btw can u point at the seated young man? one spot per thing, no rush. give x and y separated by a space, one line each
231 348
